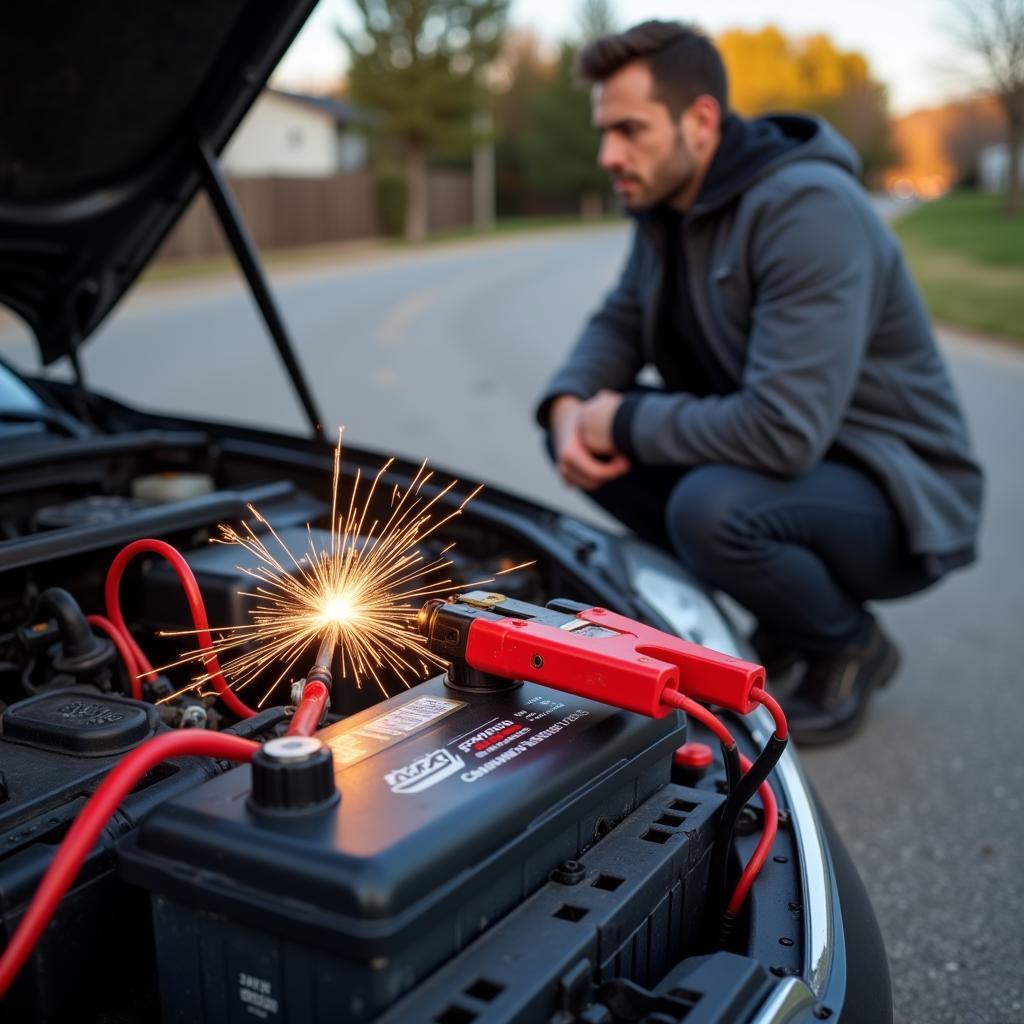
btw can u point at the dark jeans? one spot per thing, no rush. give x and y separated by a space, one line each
803 554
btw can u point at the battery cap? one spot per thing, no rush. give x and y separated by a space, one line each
292 774
292 749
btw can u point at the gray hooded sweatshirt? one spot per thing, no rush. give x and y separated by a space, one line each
816 335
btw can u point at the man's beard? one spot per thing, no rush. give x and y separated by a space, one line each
669 179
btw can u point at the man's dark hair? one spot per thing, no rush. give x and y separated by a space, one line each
684 62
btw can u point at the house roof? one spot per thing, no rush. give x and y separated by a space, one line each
341 112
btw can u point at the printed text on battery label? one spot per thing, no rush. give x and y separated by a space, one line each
499 734
521 748
426 771
410 716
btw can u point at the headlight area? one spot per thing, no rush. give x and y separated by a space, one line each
498 841
685 608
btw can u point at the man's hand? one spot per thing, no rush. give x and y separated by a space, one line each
577 465
595 423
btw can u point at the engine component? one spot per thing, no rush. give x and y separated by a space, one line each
94 510
67 652
79 721
220 571
455 807
172 486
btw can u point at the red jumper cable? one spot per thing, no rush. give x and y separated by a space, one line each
196 607
124 650
312 695
771 809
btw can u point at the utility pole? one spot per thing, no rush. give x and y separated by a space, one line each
483 172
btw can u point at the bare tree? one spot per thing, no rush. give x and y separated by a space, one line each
595 18
993 31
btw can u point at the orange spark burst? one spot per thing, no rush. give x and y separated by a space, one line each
365 588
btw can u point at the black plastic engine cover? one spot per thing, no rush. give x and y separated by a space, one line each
79 722
454 808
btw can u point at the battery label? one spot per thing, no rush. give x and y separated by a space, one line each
385 730
424 772
409 718
524 744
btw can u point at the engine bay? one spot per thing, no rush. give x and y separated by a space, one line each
64 529
489 846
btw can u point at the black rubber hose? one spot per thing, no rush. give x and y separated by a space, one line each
81 650
75 634
739 796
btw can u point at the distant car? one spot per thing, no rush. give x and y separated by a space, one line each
462 877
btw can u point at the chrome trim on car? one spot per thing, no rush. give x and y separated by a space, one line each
788 999
815 869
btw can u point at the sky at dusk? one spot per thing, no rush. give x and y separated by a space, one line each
907 42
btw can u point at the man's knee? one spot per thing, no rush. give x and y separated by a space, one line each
705 515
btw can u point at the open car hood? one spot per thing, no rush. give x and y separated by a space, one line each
106 111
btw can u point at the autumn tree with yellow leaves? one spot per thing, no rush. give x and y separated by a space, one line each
771 72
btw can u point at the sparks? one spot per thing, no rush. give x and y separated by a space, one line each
337 609
365 587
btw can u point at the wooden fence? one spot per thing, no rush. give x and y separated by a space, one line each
290 212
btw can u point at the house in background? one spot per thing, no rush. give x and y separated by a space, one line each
292 135
299 170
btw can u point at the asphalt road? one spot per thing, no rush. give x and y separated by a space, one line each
440 352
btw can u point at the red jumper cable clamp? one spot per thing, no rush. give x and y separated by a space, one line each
589 652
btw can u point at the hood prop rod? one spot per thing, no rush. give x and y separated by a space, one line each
233 225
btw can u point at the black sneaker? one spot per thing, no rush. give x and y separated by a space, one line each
774 652
832 698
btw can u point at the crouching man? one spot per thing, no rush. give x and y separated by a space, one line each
806 453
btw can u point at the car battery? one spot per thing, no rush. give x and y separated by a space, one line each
623 917
454 808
